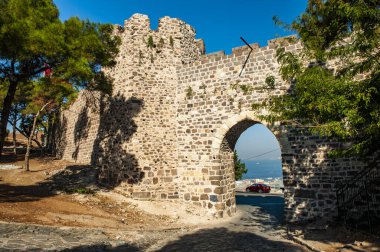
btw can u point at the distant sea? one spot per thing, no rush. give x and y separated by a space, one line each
263 169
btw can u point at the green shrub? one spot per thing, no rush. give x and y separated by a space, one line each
150 42
189 92
270 81
80 190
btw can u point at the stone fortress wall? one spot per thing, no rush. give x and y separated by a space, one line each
169 129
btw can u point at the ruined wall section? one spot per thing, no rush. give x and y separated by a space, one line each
140 158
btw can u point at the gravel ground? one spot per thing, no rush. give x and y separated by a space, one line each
253 231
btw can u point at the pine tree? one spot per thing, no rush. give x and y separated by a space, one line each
33 40
240 168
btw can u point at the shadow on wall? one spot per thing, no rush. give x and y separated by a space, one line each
82 127
59 131
116 128
310 175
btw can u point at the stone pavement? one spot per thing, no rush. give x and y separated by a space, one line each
254 231
27 237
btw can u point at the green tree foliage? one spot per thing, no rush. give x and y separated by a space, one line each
54 91
240 168
344 103
33 40
150 42
48 95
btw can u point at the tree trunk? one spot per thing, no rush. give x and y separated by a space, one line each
27 154
48 133
7 106
14 133
53 131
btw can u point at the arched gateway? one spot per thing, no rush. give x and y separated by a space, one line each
169 128
225 139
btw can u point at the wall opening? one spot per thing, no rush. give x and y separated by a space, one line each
259 149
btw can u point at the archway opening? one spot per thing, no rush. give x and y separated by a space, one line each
257 148
262 186
260 151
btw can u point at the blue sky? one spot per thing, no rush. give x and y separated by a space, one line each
258 143
219 22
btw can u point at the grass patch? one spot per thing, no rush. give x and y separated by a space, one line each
80 190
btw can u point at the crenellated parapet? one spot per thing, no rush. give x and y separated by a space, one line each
288 42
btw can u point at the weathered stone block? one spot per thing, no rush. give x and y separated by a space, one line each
220 206
195 198
155 180
204 197
219 190
308 194
207 190
213 198
141 195
186 196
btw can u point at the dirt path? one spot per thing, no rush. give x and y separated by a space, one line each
46 195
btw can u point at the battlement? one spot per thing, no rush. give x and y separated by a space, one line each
182 35
287 41
173 41
141 24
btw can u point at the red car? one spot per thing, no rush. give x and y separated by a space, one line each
258 188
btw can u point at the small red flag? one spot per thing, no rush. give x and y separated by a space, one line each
47 71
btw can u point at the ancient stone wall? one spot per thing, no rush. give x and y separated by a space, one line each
78 128
135 145
205 141
170 127
215 107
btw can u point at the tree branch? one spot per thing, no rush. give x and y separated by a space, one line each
25 135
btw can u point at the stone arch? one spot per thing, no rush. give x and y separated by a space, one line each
225 138
221 132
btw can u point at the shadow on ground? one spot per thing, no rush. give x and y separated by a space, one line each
222 239
270 209
72 179
102 247
337 235
8 156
